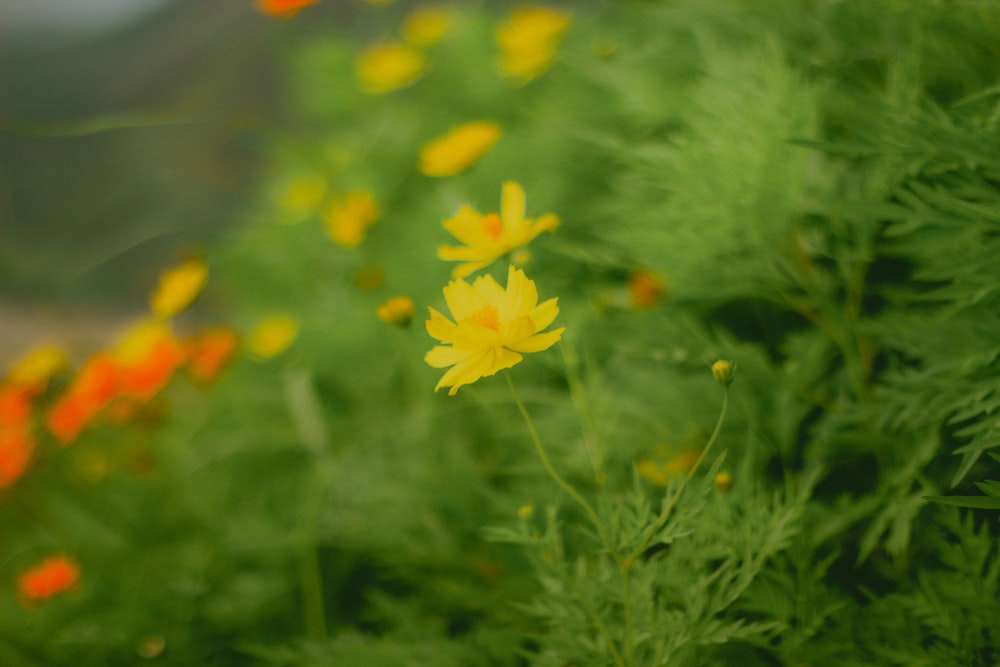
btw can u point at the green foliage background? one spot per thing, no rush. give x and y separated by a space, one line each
818 184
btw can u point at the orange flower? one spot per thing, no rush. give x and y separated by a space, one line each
147 357
92 389
49 578
209 351
645 289
284 9
16 447
15 406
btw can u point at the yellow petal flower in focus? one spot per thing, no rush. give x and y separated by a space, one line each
397 310
487 237
348 218
272 335
426 25
459 149
528 41
492 327
178 287
389 66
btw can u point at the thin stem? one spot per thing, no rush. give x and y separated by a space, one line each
591 434
665 512
545 457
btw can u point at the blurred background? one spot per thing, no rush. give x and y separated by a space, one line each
129 136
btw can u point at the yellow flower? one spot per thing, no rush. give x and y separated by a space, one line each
663 466
426 25
459 149
723 371
348 218
389 66
487 237
529 40
492 327
178 287
301 196
397 310
272 335
38 365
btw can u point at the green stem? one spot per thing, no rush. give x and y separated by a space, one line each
545 458
665 512
591 434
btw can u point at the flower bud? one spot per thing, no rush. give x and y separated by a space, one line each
723 480
723 370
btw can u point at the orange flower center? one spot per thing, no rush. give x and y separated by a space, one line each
488 317
492 225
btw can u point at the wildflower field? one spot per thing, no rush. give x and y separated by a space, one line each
620 333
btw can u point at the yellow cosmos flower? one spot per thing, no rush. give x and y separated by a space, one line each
528 41
397 310
178 287
348 218
389 66
426 25
272 335
38 365
487 237
663 467
459 149
301 196
492 327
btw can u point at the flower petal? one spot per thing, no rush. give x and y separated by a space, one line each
462 299
544 314
512 206
538 342
520 297
442 356
467 226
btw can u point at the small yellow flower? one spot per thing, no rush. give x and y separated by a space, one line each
459 149
348 218
525 511
426 25
528 41
178 287
492 327
487 237
389 66
38 365
723 480
397 310
301 196
272 335
663 466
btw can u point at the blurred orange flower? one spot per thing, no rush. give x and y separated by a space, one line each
147 357
209 351
284 9
645 289
94 386
49 578
16 447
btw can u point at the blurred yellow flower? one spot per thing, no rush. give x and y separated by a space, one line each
459 149
487 237
34 369
389 66
663 467
349 217
492 327
178 287
301 196
397 310
426 25
723 480
272 335
528 41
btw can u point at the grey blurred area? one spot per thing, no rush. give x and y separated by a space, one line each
130 137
